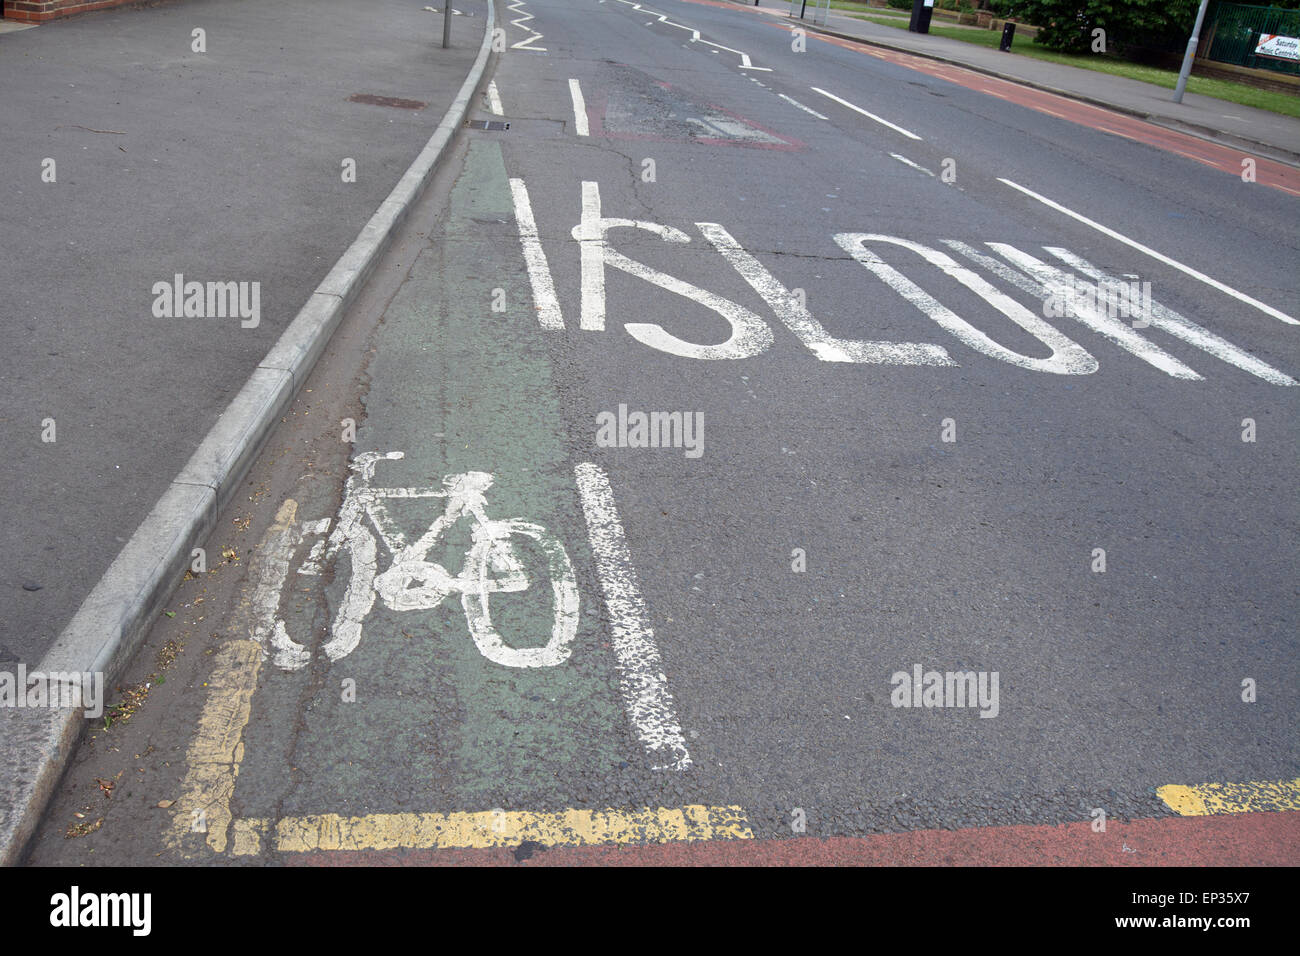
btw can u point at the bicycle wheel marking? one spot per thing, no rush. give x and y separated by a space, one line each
641 678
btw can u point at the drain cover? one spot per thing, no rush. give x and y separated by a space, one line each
392 101
487 124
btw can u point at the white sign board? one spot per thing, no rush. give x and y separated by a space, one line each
1285 48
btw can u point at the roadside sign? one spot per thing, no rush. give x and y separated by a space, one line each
1278 47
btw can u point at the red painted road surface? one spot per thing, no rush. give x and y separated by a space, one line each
1236 839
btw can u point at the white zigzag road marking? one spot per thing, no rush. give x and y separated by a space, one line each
745 63
524 16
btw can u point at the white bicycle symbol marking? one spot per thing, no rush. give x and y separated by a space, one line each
415 583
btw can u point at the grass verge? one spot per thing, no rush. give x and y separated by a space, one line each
1286 104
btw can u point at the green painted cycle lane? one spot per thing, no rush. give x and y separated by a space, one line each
416 719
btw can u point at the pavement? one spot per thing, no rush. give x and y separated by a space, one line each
468 612
219 166
1259 130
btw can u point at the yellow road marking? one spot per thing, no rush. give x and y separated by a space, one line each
1209 798
213 767
212 763
499 828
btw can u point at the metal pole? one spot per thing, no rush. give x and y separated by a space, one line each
1191 52
446 23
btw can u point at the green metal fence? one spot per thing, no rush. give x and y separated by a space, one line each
1234 33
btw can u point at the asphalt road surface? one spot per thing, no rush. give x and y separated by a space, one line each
896 438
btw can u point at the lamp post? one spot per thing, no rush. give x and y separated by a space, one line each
1191 52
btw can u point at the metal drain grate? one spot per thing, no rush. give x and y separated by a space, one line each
487 124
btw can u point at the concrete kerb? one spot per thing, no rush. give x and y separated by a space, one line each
1221 137
36 744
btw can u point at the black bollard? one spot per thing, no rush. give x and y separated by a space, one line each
1008 31
921 10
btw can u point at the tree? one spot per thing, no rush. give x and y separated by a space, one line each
1069 25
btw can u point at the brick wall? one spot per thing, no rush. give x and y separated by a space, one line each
38 11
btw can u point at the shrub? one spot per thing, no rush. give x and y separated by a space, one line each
1068 25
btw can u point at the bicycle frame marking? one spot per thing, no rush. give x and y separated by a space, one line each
415 583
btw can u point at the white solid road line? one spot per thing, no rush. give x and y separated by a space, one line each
871 116
641 676
907 162
1199 276
494 98
579 109
793 102
539 273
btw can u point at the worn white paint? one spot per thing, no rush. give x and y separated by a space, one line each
641 677
796 317
494 98
412 582
1166 319
871 116
270 570
1188 270
749 336
907 162
539 272
807 109
1067 358
1114 329
579 109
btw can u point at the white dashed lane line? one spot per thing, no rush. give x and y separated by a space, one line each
793 102
579 109
869 115
907 162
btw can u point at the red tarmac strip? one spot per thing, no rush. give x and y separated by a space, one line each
1234 839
